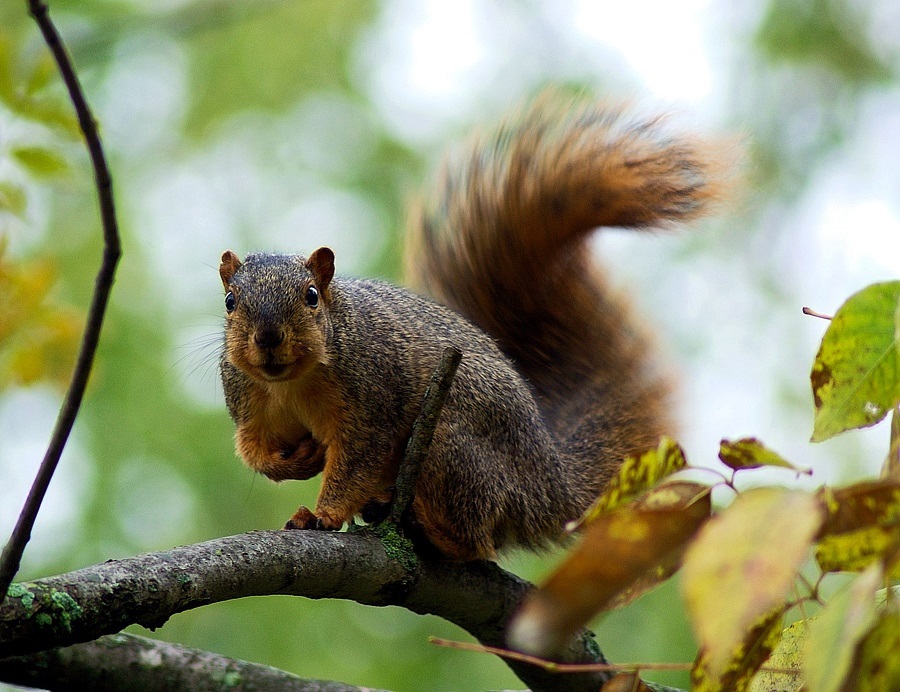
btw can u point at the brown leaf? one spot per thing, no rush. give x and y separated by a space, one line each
864 504
619 549
750 453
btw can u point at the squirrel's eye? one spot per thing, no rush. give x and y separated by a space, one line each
230 302
312 296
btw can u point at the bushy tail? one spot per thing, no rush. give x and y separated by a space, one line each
504 242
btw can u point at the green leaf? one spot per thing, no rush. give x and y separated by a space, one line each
742 565
13 199
750 453
41 162
835 633
876 665
42 73
856 374
637 474
747 657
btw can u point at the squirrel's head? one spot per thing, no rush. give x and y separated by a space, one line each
277 325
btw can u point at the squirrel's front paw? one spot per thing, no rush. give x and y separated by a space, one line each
305 519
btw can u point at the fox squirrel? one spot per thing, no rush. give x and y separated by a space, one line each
556 385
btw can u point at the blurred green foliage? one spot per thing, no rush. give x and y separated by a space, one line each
164 467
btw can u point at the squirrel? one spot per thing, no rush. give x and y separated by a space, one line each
557 383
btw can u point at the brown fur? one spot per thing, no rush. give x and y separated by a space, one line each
532 430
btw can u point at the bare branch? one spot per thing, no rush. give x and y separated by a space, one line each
80 606
128 662
12 553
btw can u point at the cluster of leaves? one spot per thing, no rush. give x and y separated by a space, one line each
38 335
744 569
29 91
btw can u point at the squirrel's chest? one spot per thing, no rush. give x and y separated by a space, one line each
295 410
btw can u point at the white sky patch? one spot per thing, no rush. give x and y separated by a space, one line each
661 40
865 233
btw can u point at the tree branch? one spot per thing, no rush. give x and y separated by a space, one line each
125 661
12 553
80 606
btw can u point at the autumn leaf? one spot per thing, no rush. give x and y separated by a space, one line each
742 564
876 665
629 549
856 374
638 473
750 653
750 453
788 655
833 636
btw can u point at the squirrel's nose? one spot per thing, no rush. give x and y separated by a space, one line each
268 337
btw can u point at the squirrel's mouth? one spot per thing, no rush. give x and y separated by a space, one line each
274 371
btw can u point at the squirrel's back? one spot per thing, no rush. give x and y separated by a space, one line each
505 242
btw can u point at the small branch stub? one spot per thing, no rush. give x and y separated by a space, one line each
423 431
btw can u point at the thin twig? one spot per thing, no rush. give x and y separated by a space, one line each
423 431
813 313
12 553
578 667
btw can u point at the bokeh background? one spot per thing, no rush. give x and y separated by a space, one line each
288 124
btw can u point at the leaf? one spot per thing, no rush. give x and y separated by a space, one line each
13 199
856 550
863 504
747 657
638 473
835 633
41 162
742 564
876 665
788 654
41 74
856 374
750 453
636 544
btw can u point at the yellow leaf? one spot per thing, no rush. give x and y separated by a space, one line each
856 550
637 474
788 654
752 651
742 564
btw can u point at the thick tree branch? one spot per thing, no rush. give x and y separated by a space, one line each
12 553
125 661
80 606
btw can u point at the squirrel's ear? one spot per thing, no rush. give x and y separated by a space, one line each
321 264
230 264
